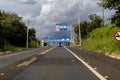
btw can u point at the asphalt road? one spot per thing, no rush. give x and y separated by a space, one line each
10 59
60 64
108 67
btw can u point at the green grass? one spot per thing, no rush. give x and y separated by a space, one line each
33 44
0 50
102 40
11 48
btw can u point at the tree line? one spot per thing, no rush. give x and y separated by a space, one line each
13 30
96 21
86 27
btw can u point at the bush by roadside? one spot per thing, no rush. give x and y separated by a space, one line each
102 40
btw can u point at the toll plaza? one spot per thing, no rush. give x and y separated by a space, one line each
58 42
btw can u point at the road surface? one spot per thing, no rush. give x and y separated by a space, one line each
58 64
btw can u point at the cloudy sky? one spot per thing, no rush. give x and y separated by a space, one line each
45 14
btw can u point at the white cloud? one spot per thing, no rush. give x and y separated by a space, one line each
44 14
67 11
28 1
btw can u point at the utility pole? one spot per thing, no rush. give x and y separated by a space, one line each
79 37
72 34
79 31
103 15
27 35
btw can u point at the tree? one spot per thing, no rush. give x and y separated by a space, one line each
32 37
13 30
32 33
113 4
95 21
86 27
83 27
18 38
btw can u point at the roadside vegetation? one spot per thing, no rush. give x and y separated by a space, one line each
99 37
13 33
102 40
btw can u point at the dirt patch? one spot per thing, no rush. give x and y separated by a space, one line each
113 55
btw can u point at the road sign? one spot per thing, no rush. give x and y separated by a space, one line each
61 27
117 36
57 28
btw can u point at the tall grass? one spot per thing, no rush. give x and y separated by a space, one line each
102 40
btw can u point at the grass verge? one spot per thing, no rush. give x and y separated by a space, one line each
102 40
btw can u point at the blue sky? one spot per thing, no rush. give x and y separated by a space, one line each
44 14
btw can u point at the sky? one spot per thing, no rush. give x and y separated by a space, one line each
45 14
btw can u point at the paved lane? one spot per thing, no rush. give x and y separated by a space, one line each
108 67
7 60
58 64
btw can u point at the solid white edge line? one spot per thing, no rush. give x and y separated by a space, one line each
88 66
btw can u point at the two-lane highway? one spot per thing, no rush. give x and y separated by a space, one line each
57 64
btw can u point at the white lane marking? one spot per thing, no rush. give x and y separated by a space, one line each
2 74
73 60
95 68
88 66
106 77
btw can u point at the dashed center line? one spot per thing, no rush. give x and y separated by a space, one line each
26 63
